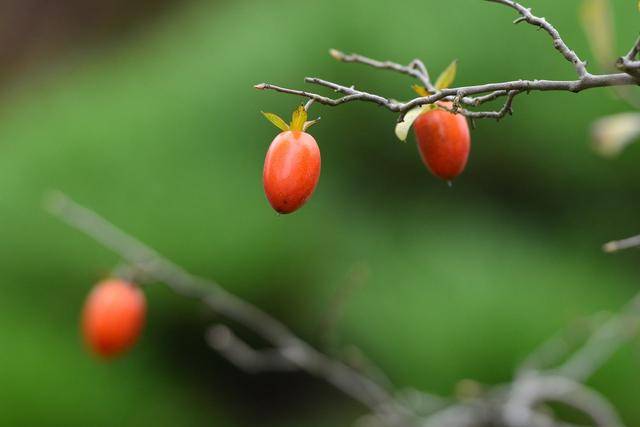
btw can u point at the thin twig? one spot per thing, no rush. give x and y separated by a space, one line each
485 92
416 68
495 89
506 109
558 43
628 63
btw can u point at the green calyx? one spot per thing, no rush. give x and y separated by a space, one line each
298 122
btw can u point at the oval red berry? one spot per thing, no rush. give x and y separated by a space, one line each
443 142
113 317
291 170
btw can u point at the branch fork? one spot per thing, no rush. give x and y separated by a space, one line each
473 96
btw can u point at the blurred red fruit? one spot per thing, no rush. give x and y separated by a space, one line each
113 317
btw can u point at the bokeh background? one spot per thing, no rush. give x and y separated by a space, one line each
145 112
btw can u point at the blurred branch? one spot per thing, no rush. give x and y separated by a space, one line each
617 245
557 348
516 404
465 95
521 404
528 393
222 339
289 351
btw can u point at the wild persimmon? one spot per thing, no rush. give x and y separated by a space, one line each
113 317
443 141
443 136
292 164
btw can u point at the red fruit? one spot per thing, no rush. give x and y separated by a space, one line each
291 170
443 142
113 317
292 166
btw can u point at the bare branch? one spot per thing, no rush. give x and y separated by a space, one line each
494 90
489 97
506 109
628 63
629 67
527 394
486 92
415 69
558 43
235 350
588 82
353 95
520 404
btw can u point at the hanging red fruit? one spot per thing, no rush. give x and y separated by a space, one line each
292 165
113 317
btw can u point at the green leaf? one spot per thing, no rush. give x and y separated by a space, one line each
597 22
420 90
276 120
298 118
402 128
446 78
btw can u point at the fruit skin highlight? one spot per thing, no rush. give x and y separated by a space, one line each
443 142
113 317
291 170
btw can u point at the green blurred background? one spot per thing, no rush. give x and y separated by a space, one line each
145 112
